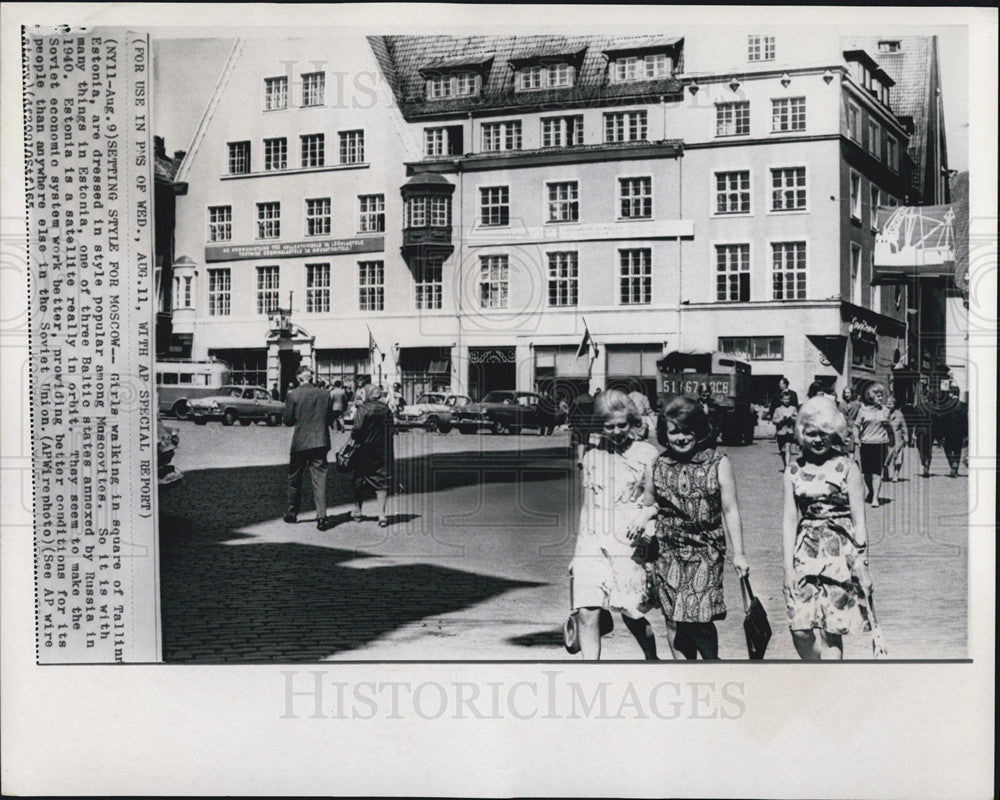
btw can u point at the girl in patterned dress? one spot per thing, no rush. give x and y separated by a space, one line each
825 539
691 492
608 569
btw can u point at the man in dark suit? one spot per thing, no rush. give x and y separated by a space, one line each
309 409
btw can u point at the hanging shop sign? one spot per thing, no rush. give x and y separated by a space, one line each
325 247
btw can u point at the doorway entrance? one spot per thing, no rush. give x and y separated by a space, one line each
491 368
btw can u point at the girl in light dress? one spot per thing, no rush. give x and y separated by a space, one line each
691 493
608 569
825 541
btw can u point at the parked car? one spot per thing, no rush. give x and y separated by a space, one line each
433 411
230 404
501 412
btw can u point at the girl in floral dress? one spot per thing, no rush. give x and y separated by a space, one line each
691 492
608 570
825 539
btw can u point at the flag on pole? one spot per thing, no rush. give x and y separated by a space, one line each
584 342
372 344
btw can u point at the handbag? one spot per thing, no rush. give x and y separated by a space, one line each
346 455
571 628
755 624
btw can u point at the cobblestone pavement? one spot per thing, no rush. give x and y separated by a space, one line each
474 564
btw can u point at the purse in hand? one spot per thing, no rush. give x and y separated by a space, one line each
755 624
571 628
346 455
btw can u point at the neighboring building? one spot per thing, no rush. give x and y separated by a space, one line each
165 190
673 192
937 331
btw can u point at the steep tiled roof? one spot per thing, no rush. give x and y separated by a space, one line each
911 68
402 57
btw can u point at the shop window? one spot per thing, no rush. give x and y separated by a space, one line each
754 348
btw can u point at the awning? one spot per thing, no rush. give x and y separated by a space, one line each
914 242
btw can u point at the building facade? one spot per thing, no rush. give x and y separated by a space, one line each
456 212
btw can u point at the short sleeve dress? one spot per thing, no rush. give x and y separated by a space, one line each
688 571
607 570
825 551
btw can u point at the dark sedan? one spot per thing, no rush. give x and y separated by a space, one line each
501 412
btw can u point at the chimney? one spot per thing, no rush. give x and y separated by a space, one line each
159 148
179 155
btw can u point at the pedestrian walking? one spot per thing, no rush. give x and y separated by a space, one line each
953 429
783 418
338 404
372 463
849 407
825 541
900 434
395 400
307 407
873 432
608 568
581 423
548 412
922 429
645 414
275 392
783 386
691 492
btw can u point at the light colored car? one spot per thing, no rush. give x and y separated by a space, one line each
433 411
245 404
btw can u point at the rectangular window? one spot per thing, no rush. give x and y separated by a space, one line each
855 196
640 68
440 212
435 142
466 84
494 205
220 223
892 153
275 94
494 275
459 84
239 158
732 279
317 288
267 289
502 136
754 348
188 284
564 201
732 192
563 279
876 298
635 277
371 285
874 139
732 119
429 282
788 270
788 189
219 291
854 122
544 76
372 218
313 150
275 154
439 86
635 198
562 131
760 48
856 274
318 217
874 199
313 88
352 147
268 220
624 126
788 114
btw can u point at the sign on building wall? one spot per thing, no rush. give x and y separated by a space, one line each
327 247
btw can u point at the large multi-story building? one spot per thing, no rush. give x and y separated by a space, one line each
458 211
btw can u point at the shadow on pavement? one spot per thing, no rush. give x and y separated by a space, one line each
292 601
553 638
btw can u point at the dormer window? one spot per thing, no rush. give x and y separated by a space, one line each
559 75
889 46
651 66
455 84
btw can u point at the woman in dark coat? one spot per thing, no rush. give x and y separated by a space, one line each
373 460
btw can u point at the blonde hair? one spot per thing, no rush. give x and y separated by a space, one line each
613 401
822 413
871 388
